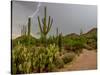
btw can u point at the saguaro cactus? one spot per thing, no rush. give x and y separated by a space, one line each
29 26
45 27
57 31
57 35
23 30
81 31
29 30
60 41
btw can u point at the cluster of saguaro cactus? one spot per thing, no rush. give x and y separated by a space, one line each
44 26
24 28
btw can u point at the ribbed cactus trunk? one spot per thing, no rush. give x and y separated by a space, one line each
45 28
29 26
23 30
81 31
29 29
57 36
60 41
57 31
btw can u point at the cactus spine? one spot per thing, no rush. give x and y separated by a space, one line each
45 28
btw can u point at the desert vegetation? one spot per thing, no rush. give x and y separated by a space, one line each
32 55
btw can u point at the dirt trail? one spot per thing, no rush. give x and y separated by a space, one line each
87 60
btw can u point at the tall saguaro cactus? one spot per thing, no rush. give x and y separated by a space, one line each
57 35
44 26
23 30
60 41
29 26
29 30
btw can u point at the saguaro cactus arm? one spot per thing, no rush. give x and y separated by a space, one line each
45 14
49 24
29 26
49 20
43 21
39 24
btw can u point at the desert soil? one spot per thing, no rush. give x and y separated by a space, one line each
86 61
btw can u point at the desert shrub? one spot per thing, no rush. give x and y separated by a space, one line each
51 40
24 40
68 57
59 62
92 41
34 59
75 44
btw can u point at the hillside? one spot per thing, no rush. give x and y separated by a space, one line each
91 33
24 40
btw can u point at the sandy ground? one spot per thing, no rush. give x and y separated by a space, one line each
86 61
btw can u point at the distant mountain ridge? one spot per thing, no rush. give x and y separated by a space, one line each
72 35
87 34
90 32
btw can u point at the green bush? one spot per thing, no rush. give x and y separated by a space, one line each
59 62
92 41
68 57
75 44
